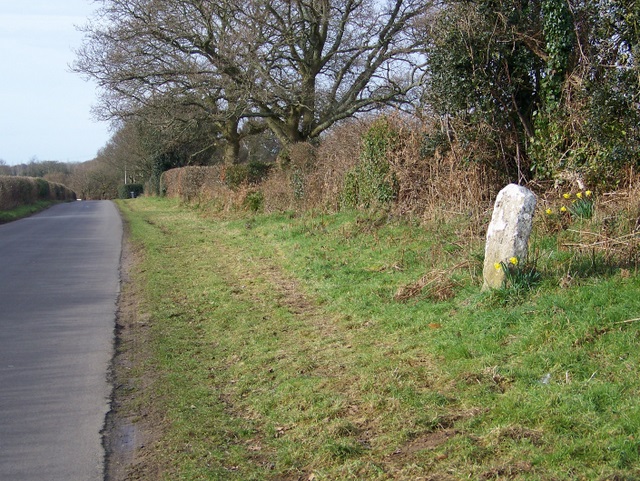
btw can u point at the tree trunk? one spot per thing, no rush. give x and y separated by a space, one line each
309 105
232 142
287 132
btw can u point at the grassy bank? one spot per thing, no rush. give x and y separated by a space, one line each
356 346
24 211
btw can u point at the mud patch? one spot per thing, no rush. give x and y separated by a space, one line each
127 433
124 442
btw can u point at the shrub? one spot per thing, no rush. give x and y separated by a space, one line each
254 201
19 191
236 175
371 182
298 162
251 173
43 190
257 172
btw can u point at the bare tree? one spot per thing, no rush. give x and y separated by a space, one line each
151 57
297 66
4 168
321 61
94 180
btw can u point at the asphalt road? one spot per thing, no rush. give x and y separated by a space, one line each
59 282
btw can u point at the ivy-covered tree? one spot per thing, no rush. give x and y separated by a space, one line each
545 85
485 69
589 123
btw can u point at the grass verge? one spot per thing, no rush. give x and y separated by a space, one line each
24 211
353 346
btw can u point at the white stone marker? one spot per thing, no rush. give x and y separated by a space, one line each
508 233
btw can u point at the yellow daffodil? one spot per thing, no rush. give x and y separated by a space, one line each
563 209
514 261
498 266
549 211
579 195
566 196
588 193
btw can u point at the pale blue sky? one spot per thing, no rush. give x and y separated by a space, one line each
45 110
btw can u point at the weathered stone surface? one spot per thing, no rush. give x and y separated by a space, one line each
508 233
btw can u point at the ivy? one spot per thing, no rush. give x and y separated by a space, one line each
371 183
559 36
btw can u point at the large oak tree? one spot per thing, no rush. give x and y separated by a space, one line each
295 66
321 61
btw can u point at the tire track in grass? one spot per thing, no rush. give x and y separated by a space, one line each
294 388
334 346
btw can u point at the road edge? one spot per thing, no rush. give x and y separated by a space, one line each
125 435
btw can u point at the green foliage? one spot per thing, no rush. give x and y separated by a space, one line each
582 208
519 277
161 163
371 182
254 201
257 171
559 37
588 124
596 134
297 183
483 74
43 190
610 138
434 142
249 173
549 86
130 190
236 175
546 148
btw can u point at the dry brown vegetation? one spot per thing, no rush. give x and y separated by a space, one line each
431 183
19 191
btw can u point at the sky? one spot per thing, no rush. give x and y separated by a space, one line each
45 109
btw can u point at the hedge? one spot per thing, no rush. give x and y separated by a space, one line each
18 191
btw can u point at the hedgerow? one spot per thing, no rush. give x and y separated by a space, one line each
18 191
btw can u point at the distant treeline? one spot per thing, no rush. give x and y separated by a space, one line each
36 168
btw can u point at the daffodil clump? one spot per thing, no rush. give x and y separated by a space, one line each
519 276
580 206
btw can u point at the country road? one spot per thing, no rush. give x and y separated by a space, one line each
59 283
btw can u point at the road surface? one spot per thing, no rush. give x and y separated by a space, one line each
59 282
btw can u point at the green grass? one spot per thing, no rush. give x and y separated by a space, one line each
281 351
24 211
